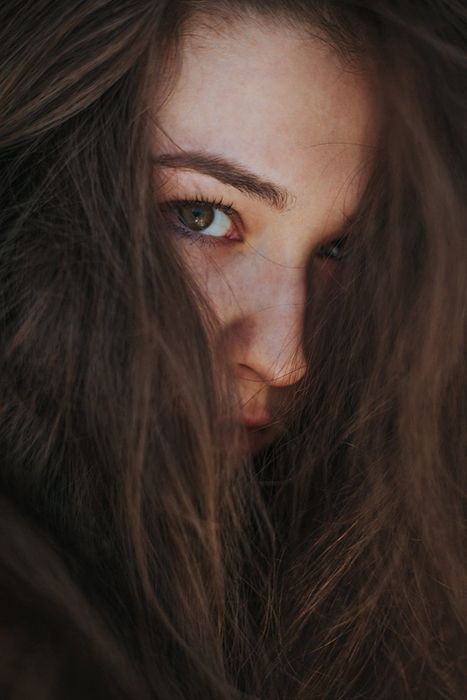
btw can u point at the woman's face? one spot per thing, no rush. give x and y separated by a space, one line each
262 151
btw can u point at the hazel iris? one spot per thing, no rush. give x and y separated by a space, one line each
196 217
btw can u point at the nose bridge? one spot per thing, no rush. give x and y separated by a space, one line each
272 332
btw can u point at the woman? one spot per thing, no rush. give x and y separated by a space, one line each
233 391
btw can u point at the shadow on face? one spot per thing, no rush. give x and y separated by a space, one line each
265 147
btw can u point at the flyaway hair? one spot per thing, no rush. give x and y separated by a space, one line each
138 559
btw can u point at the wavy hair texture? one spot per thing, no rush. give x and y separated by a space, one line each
137 559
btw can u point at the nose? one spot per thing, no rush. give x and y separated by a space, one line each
265 338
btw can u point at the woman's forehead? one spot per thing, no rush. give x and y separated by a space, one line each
269 96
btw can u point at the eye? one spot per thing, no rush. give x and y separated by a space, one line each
333 250
210 219
204 218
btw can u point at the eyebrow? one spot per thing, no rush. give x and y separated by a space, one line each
229 172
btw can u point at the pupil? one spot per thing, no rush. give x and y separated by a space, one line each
196 217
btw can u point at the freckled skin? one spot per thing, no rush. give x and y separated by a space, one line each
281 103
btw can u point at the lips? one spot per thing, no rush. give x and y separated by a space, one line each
258 424
256 420
255 432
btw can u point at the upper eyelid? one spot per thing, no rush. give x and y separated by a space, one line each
195 197
215 204
177 188
345 230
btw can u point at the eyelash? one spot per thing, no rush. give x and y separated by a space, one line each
228 210
199 238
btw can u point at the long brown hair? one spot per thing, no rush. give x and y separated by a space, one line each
137 558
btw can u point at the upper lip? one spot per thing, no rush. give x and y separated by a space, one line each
255 416
256 422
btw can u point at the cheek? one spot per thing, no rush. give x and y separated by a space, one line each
222 279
